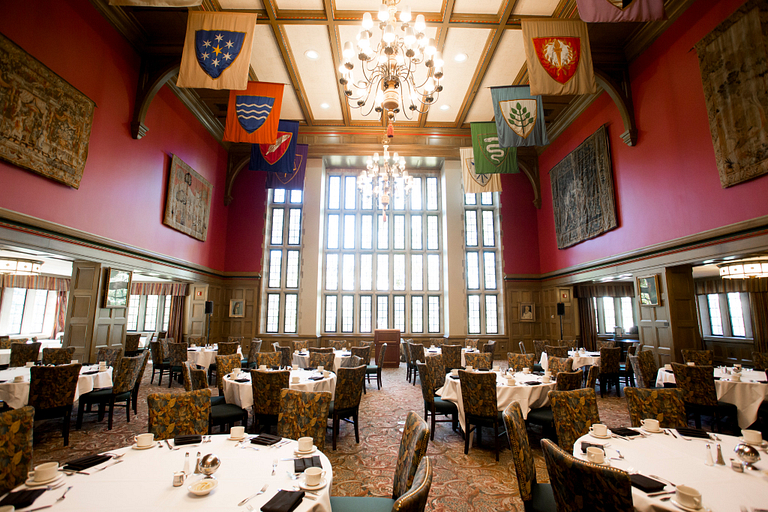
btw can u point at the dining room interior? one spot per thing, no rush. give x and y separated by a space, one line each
576 331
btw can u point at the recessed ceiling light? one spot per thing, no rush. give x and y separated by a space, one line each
729 258
707 262
311 54
460 57
325 105
444 107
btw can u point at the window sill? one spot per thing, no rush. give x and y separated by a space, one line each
725 339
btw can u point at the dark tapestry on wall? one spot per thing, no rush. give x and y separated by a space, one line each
733 60
582 192
46 123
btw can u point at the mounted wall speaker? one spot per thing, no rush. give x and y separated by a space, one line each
560 309
209 307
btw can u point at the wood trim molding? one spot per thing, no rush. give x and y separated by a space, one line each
155 72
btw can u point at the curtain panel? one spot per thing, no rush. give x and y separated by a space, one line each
587 322
176 320
35 282
705 286
587 291
175 289
758 303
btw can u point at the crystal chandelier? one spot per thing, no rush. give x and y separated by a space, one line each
384 177
388 79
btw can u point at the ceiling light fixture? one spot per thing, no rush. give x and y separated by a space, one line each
744 269
460 57
384 177
311 54
325 105
445 107
20 266
388 67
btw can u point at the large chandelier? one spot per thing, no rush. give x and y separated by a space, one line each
744 269
388 68
18 266
385 176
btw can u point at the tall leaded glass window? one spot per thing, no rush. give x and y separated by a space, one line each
382 270
283 258
482 262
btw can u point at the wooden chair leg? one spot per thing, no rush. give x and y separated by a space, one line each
496 436
128 410
65 427
466 438
357 432
111 412
80 409
378 378
432 434
335 429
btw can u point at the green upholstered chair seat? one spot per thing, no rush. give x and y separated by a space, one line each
222 412
371 368
218 400
543 499
361 504
104 394
541 416
444 406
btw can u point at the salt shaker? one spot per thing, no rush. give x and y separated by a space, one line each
720 459
709 461
186 464
197 464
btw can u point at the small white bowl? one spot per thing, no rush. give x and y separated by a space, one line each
203 487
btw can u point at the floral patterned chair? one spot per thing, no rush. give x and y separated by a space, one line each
227 348
436 369
271 359
224 366
109 354
665 405
194 378
471 343
699 357
760 360
479 360
556 364
300 345
601 344
338 344
346 403
434 405
517 361
375 369
416 351
539 347
132 344
159 361
697 384
451 357
16 428
23 353
568 381
326 360
266 396
285 355
490 348
304 414
535 496
648 368
139 378
573 412
553 351
179 414
57 356
123 381
478 395
610 358
320 350
363 353
578 485
592 376
52 393
177 356
413 446
634 362
5 342
253 353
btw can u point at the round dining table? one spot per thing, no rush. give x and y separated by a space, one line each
683 462
202 356
301 358
5 353
16 394
143 480
580 359
431 351
240 391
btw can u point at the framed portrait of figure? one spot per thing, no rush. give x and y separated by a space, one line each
527 312
237 308
117 288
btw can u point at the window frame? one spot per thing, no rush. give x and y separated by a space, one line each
618 313
725 316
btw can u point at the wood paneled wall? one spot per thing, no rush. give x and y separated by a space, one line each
222 325
683 315
81 308
550 319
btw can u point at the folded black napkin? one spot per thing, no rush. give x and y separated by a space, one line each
276 367
310 368
300 465
21 499
316 377
538 373
626 432
587 444
454 377
266 439
646 484
243 380
93 372
534 383
693 432
191 439
716 378
483 369
283 501
86 462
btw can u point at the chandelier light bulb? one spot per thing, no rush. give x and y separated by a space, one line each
364 41
367 21
430 85
383 13
349 51
438 60
389 34
420 23
405 14
410 36
382 59
430 49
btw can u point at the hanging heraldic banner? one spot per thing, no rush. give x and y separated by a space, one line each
519 117
475 183
279 156
253 114
294 180
558 56
613 11
490 157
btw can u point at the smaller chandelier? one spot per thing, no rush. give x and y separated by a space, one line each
384 176
744 269
20 266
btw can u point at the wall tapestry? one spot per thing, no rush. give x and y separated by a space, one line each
46 123
188 203
733 60
582 192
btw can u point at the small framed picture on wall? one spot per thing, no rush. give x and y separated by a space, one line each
648 290
237 308
527 312
117 288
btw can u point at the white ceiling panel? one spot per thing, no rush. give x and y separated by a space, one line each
267 63
477 6
504 68
535 7
458 75
372 6
300 5
241 4
318 76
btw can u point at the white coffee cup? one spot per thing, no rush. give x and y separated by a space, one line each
313 475
510 381
651 425
668 367
752 436
74 361
29 364
736 377
320 368
497 368
295 379
691 363
18 378
262 367
455 372
469 367
595 454
143 440
599 429
546 379
237 432
688 496
294 367
547 373
45 472
326 374
526 370
305 444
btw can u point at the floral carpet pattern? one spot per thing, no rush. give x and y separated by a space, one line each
472 482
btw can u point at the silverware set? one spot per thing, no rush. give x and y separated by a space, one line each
61 498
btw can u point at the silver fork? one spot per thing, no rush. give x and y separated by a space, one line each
262 491
61 498
102 468
657 477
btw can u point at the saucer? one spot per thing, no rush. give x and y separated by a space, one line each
607 436
763 444
230 438
303 484
299 452
31 482
150 445
683 507
660 431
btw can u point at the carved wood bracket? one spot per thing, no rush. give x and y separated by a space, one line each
155 72
237 159
620 91
529 165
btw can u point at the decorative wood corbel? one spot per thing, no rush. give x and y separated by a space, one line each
237 159
155 72
529 164
621 93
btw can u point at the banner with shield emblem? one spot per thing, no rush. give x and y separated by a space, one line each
294 180
254 114
519 117
490 157
278 156
475 183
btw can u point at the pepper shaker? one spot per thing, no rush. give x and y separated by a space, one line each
197 464
720 459
186 465
709 461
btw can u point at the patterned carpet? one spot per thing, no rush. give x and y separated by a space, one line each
473 482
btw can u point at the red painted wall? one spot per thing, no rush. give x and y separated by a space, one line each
667 186
518 219
245 231
122 193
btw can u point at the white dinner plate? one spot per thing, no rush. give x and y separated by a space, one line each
151 445
303 484
299 452
660 431
31 482
683 507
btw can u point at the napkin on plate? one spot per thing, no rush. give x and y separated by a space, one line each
533 383
86 462
243 380
283 501
310 368
455 377
316 377
483 369
266 439
21 499
693 432
646 484
276 367
626 432
300 465
190 439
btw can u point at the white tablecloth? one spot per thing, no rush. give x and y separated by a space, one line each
746 395
5 353
683 462
144 481
429 352
241 393
16 394
529 397
579 360
339 356
202 356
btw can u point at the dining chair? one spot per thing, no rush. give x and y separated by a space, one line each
573 413
266 386
517 361
304 414
224 366
697 384
111 355
434 405
568 381
760 361
271 359
609 369
132 344
227 348
417 355
490 348
320 350
159 362
698 357
363 353
177 355
565 381
471 342
556 364
451 357
437 342
52 393
322 359
346 402
539 347
634 362
578 485
648 369
556 351
123 379
409 366
436 369
285 354
536 497
479 360
23 353
664 405
625 367
375 368
253 352
57 356
5 342
179 414
16 427
245 348
300 345
521 344
338 344
162 335
192 377
478 395
600 344
592 373
140 377
413 446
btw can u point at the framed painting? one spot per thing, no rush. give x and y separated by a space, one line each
648 290
237 308
117 288
188 201
564 295
527 312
